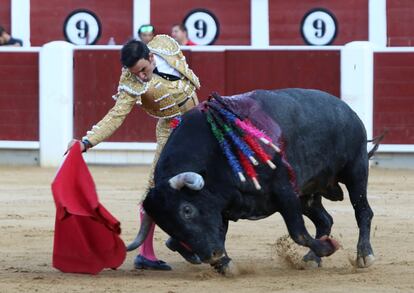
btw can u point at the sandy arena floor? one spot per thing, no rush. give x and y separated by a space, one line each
27 221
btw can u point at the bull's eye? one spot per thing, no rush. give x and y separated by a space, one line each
187 211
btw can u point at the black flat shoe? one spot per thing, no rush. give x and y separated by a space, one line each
142 263
189 256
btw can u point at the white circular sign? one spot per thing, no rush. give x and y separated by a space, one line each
202 27
82 27
319 27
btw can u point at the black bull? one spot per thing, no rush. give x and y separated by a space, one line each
324 142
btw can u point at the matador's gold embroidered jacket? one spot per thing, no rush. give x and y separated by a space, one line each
158 97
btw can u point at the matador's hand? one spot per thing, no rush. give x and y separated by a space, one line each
72 142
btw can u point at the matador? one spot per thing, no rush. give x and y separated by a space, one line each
155 76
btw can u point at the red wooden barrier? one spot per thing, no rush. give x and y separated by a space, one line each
393 97
400 30
96 75
210 67
19 96
248 70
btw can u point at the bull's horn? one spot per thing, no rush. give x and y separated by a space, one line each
142 234
190 179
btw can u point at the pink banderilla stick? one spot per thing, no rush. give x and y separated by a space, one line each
252 130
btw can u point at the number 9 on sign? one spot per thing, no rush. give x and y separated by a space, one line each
319 27
202 26
82 27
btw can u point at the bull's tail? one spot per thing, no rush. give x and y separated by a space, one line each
376 141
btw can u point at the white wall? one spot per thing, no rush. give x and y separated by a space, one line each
377 28
357 80
20 20
141 15
259 22
55 101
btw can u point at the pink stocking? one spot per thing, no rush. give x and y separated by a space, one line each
147 248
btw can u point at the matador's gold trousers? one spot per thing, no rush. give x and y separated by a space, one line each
162 132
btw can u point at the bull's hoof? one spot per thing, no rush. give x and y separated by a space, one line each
365 261
365 255
330 245
225 267
311 260
230 270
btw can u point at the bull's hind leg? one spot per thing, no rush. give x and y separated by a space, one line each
356 181
291 211
312 208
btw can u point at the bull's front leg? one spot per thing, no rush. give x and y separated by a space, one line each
225 265
291 211
312 208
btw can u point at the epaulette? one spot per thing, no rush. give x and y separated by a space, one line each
164 45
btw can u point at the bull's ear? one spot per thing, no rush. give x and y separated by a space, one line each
192 180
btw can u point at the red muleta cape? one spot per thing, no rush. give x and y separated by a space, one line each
86 234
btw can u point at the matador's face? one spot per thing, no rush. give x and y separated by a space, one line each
144 68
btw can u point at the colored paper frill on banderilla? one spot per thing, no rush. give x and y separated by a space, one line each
86 234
